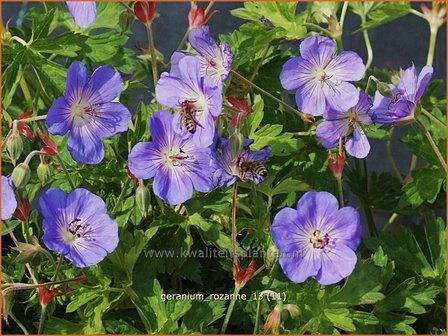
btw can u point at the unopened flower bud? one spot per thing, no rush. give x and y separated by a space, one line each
44 172
145 10
236 144
143 200
271 326
21 175
271 257
197 17
126 20
336 163
384 89
27 251
14 146
293 310
6 38
243 275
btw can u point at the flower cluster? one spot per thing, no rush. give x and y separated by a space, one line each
321 81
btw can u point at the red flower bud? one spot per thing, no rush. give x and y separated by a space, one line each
336 163
23 209
197 17
50 147
243 108
145 10
273 321
46 295
24 128
242 276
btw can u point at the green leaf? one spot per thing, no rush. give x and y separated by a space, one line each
384 12
201 315
44 24
289 185
66 44
11 76
340 317
102 47
397 323
51 74
425 187
56 325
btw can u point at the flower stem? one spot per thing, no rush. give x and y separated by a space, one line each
433 118
260 63
390 157
233 219
64 168
121 196
272 273
321 29
230 309
391 220
340 191
369 49
43 314
305 117
338 36
152 51
432 143
57 270
26 92
257 315
21 326
432 43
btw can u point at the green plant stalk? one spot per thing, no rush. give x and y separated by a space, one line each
260 63
321 29
369 49
121 196
391 220
340 191
430 116
390 157
432 143
257 316
367 211
230 309
64 168
57 270
302 115
432 43
152 52
272 273
26 92
43 314
338 38
233 220
21 326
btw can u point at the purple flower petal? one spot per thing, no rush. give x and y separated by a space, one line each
50 204
347 66
104 85
76 81
90 206
172 187
9 203
385 111
110 119
341 96
300 265
408 83
423 81
174 61
311 99
295 72
345 227
317 205
358 145
337 264
144 160
82 12
318 49
329 132
84 145
59 117
283 230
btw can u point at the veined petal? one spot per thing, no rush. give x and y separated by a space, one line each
423 81
52 206
329 132
82 12
340 96
174 61
84 145
310 98
9 202
76 81
296 72
172 91
363 107
285 231
358 145
202 42
205 136
110 119
161 128
408 83
144 160
172 186
344 226
59 117
213 95
337 263
300 265
82 203
104 86
318 50
317 207
347 66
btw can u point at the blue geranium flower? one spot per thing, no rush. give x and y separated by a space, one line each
317 239
175 162
9 202
82 12
88 111
77 226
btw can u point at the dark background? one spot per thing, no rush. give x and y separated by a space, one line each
398 43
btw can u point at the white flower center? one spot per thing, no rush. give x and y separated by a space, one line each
319 240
